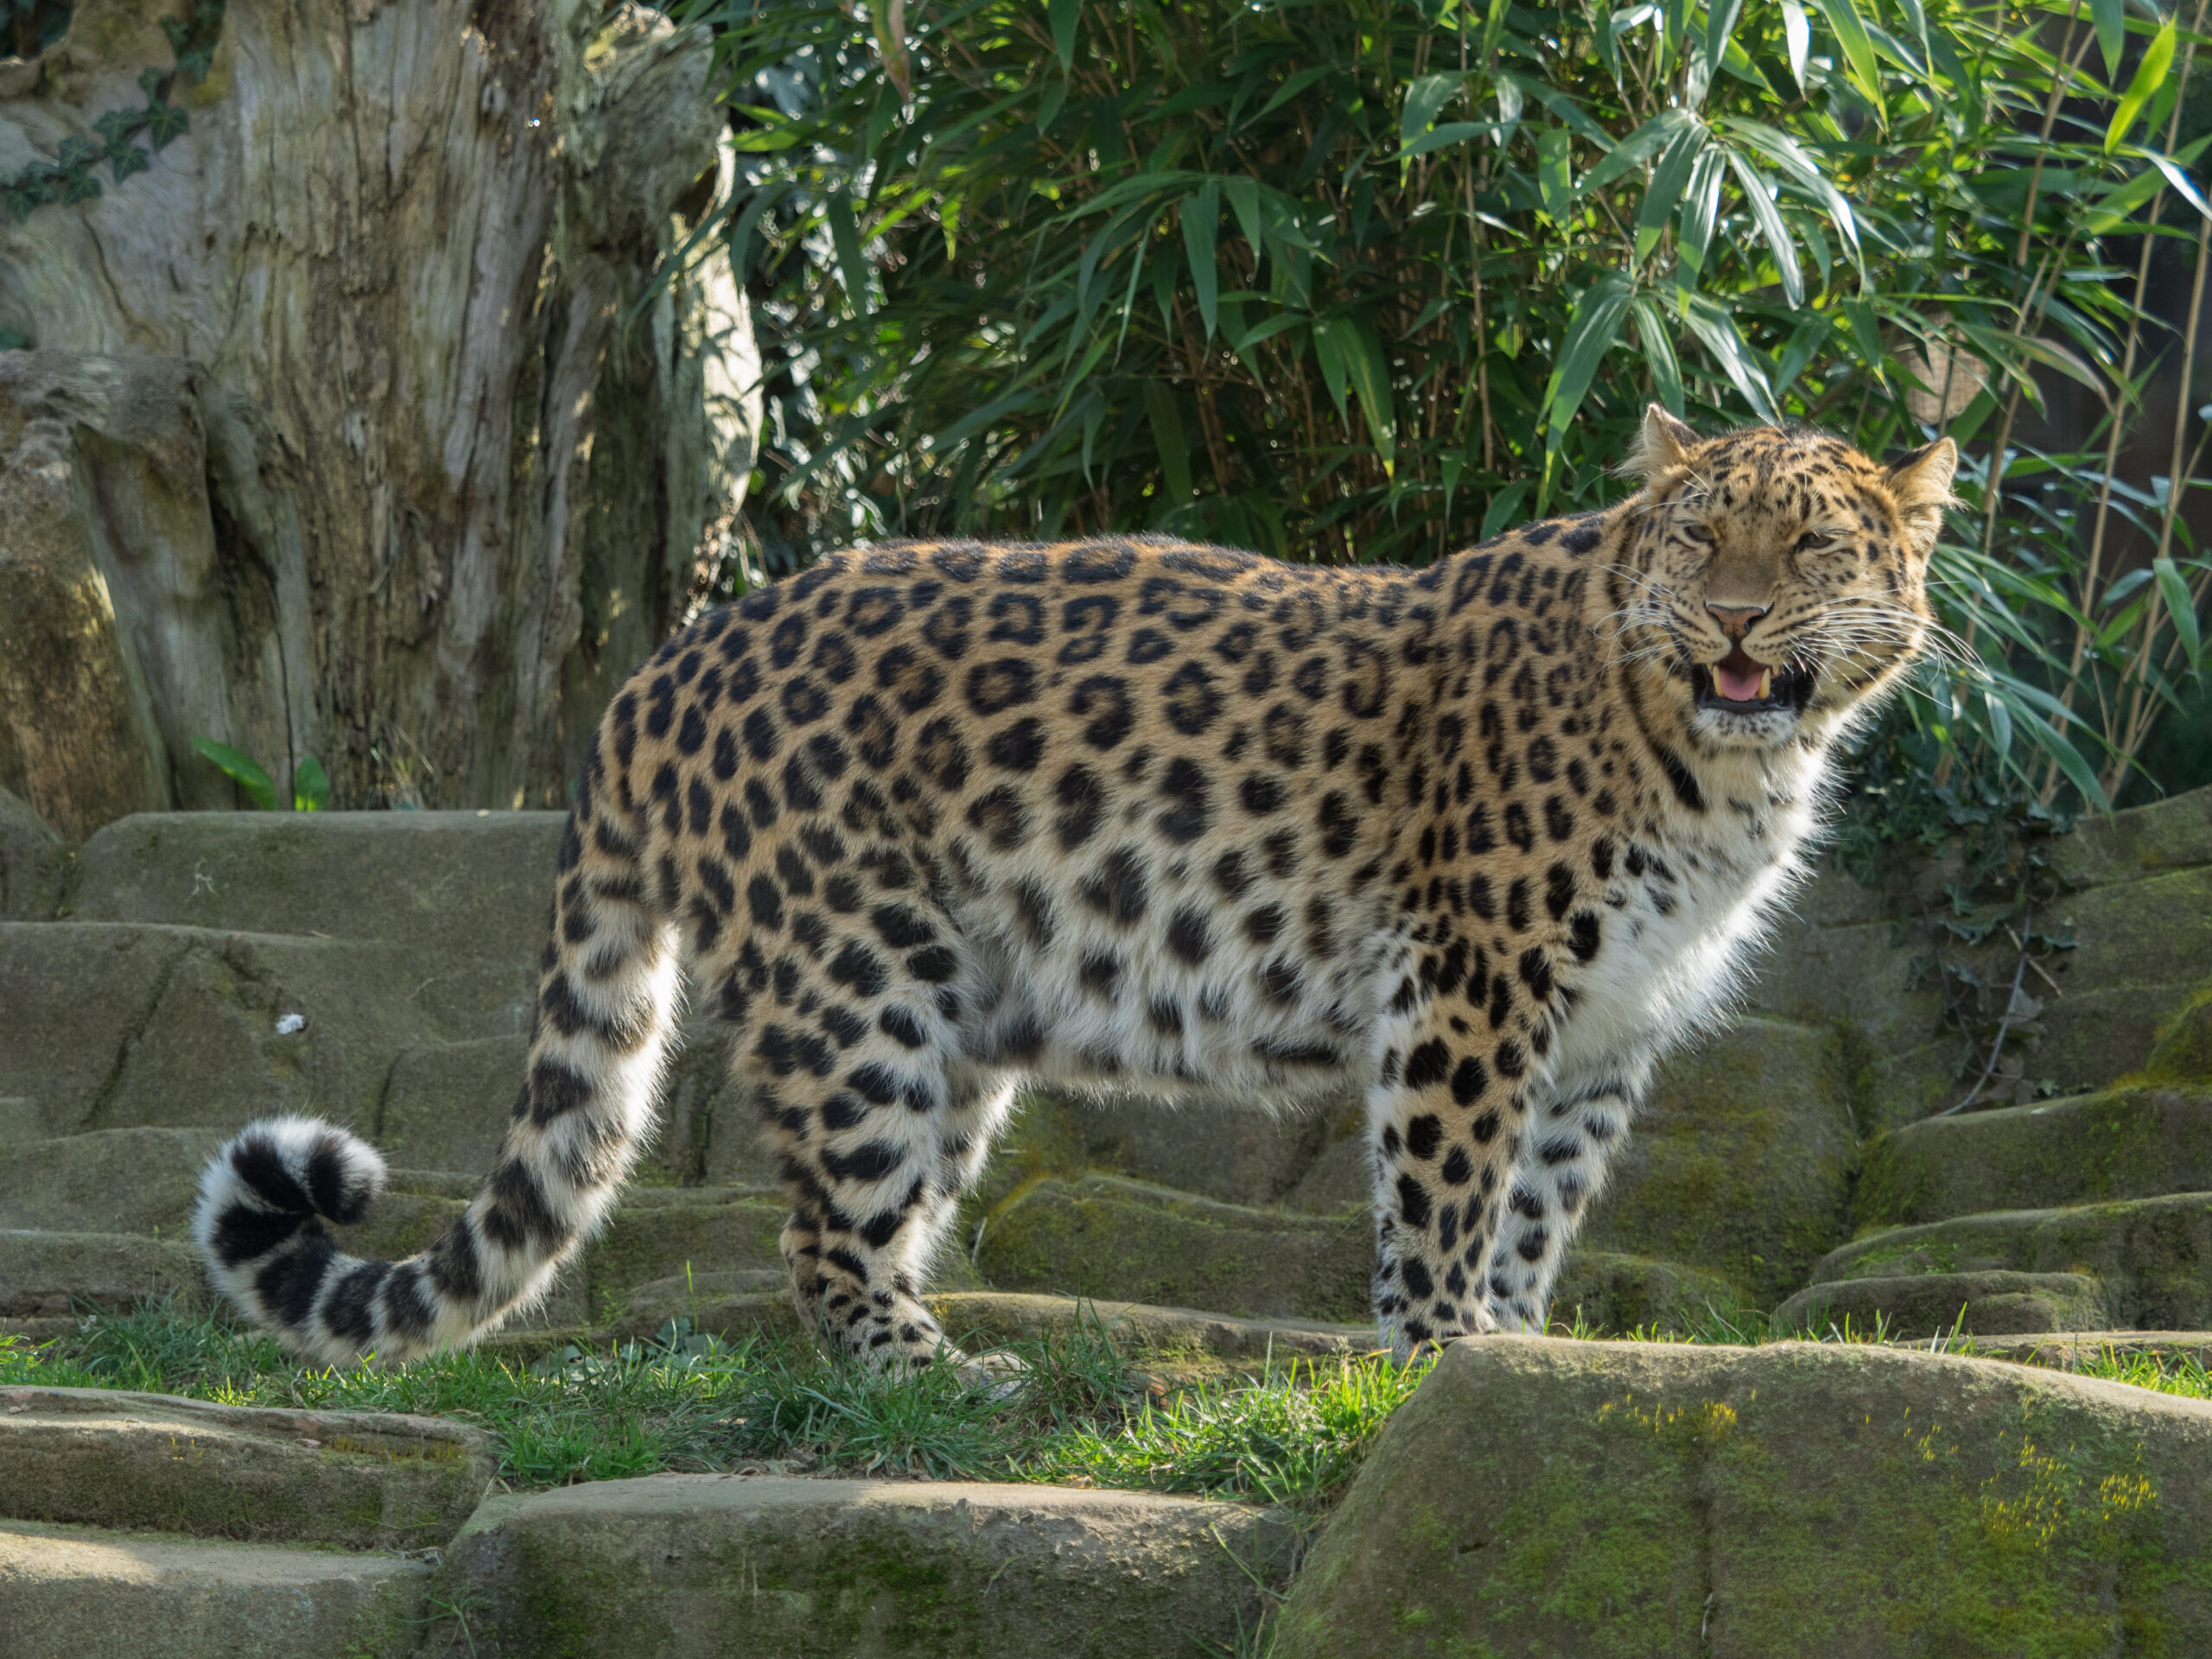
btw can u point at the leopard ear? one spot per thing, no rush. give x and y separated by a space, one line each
1663 446
1922 482
1921 485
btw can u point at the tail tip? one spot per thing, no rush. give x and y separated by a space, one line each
298 1166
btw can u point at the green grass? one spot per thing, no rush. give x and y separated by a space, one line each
1292 1434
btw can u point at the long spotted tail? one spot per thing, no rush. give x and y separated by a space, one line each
605 1000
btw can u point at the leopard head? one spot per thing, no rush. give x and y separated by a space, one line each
1775 578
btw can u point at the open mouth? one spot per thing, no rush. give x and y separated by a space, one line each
1743 686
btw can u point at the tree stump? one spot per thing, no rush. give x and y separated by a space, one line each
351 422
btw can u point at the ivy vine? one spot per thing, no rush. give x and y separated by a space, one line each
69 176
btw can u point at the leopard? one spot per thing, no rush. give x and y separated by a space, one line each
1478 841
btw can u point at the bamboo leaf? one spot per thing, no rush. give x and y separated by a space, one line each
852 266
1640 146
1371 379
1244 201
1201 213
1064 15
1668 179
1850 32
1772 230
1659 353
1452 132
2111 19
1700 206
2149 75
1590 333
1797 36
1556 170
1166 424
2173 589
1424 98
1720 24
1717 329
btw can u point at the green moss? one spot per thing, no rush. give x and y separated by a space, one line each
2183 1051
1741 1166
1823 1502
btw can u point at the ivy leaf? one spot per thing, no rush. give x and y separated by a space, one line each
127 158
75 152
149 82
193 64
179 33
117 126
77 185
163 123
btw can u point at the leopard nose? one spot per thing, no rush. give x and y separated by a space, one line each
1736 620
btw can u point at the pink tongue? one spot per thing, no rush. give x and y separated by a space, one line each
1737 688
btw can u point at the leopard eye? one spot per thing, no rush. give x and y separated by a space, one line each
1814 541
1699 533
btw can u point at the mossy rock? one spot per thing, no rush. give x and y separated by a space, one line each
1116 1240
1740 1166
2183 1052
660 1234
2123 1143
95 1592
349 1479
33 863
111 1181
465 894
2152 1256
1650 1500
44 1275
1612 1295
113 1025
2166 835
1986 1304
699 1564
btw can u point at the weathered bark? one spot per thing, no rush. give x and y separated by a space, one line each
354 394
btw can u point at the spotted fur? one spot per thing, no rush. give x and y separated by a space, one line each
934 817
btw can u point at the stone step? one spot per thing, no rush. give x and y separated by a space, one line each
33 865
1983 1304
49 1275
678 1566
116 1026
157 1462
447 1104
471 886
96 1594
109 1181
2153 1256
1107 1239
1740 1163
2123 1143
1822 1501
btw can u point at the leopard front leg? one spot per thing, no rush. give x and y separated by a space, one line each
1567 1144
1447 1121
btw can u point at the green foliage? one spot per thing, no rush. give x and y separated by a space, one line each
310 782
69 177
1375 278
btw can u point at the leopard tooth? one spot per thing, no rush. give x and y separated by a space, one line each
1766 680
